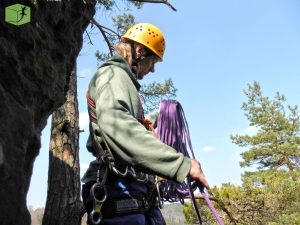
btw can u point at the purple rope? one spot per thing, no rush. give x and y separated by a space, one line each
212 208
172 127
173 130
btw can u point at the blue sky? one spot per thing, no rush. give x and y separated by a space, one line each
214 49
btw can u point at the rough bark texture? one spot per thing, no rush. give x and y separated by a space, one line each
36 62
63 206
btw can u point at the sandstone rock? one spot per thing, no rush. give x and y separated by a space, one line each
36 60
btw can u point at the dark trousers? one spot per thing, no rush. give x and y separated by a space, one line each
122 190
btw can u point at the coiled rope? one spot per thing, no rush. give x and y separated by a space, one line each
173 130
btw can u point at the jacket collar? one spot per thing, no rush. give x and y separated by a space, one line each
119 61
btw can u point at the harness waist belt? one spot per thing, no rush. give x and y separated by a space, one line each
119 207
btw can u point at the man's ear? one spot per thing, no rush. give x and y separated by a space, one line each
138 51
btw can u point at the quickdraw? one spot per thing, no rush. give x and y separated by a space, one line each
130 172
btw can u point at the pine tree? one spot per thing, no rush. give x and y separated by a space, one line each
274 149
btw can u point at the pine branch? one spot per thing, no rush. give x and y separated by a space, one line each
100 27
156 1
112 31
90 41
221 204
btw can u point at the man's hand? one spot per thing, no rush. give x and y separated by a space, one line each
196 173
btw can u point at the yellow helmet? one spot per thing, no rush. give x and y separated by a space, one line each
147 35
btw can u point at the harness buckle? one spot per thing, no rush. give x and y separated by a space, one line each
145 204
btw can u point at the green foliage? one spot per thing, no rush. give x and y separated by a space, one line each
110 4
271 194
102 57
293 219
235 205
123 22
107 4
276 145
190 215
275 149
154 92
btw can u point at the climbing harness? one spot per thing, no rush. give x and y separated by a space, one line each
172 129
128 171
98 191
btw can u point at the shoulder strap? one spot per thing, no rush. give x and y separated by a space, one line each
102 148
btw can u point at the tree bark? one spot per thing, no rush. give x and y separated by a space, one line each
63 204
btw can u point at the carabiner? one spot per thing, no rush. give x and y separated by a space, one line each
95 217
132 172
118 172
145 178
93 192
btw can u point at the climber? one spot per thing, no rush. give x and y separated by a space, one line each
119 186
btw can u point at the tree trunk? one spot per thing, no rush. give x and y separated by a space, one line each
63 204
36 59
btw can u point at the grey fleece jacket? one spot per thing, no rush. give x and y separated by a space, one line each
114 89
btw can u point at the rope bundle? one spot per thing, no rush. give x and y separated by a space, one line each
173 130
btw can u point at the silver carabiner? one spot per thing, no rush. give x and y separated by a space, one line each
93 192
143 178
95 216
132 172
118 172
140 176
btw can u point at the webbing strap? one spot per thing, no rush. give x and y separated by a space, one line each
125 206
91 108
101 148
104 149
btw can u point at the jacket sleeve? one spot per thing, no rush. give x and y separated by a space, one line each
115 98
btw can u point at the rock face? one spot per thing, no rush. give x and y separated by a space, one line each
36 60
